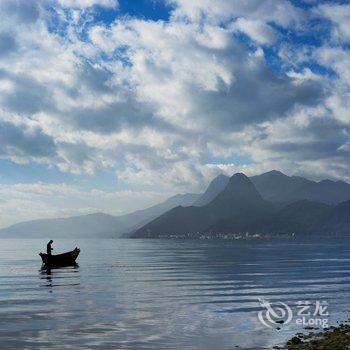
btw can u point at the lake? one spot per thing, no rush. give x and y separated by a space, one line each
165 294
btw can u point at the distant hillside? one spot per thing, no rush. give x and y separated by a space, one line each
240 208
270 202
327 191
139 218
302 217
86 226
214 188
94 225
337 222
278 187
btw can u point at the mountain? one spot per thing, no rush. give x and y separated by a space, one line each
87 226
237 208
240 208
214 188
271 202
139 218
337 222
94 225
278 187
326 191
301 217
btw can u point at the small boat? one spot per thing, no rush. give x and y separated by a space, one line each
64 259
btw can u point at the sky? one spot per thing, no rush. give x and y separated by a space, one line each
113 106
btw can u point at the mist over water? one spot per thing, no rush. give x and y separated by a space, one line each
164 294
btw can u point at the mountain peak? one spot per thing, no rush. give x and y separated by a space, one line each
238 190
239 179
240 176
214 188
274 173
219 180
277 172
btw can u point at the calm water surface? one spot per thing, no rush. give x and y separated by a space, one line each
160 294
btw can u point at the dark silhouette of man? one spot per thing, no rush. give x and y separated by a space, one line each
49 248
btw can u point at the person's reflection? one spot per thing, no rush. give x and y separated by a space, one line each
48 274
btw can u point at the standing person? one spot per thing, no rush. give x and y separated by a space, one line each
49 248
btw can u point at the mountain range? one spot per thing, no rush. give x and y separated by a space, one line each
278 187
273 201
241 209
94 225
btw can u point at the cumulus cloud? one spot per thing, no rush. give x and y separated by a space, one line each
259 31
337 59
88 3
283 13
339 14
8 44
23 11
169 103
24 143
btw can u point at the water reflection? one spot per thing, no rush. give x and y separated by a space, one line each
63 275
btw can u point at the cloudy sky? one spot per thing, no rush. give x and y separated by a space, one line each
112 105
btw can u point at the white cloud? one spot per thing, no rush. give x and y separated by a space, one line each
339 14
157 101
282 13
257 30
337 59
88 3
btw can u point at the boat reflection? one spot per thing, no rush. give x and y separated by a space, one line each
59 274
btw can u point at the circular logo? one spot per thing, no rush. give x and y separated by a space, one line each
274 314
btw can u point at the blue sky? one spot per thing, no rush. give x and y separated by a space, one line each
112 105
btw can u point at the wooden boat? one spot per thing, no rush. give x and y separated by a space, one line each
64 259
